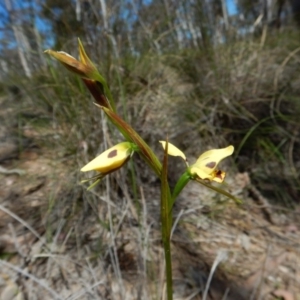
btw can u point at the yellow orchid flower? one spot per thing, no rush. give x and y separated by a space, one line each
85 68
206 164
80 68
111 159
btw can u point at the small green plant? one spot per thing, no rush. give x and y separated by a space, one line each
204 170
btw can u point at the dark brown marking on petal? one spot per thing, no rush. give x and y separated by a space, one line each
211 164
219 174
112 153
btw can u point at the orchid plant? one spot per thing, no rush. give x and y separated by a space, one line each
204 170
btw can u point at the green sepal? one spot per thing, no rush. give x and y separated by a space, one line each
97 179
220 191
181 183
94 184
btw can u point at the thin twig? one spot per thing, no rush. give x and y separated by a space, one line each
222 255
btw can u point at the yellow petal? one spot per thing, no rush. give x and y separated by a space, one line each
172 150
217 175
200 173
111 159
209 160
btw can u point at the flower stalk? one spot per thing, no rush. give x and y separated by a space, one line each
166 221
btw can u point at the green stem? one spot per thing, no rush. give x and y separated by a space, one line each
168 261
166 216
166 221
